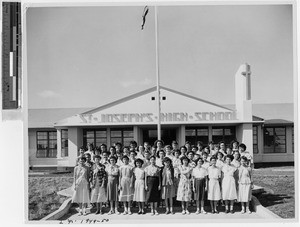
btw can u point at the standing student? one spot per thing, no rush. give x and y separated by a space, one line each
200 147
98 194
184 193
139 195
146 159
126 185
140 153
229 193
113 185
81 193
118 147
112 151
153 185
168 152
206 162
234 145
126 151
168 188
176 162
160 157
220 161
183 151
174 145
236 163
90 151
222 146
211 147
245 185
132 157
158 144
119 158
243 152
199 176
105 159
214 191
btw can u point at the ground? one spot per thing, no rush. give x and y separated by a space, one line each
278 182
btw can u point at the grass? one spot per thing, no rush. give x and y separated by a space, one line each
279 186
43 197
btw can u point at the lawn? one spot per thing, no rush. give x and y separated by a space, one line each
43 197
279 186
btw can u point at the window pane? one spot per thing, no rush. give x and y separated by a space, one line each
90 140
42 135
255 149
52 135
229 131
128 134
280 131
280 149
152 133
64 143
89 134
101 133
254 130
64 133
100 141
52 153
217 132
190 132
115 140
116 133
202 132
127 141
268 149
42 144
64 152
52 144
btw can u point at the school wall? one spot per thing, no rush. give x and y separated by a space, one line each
32 144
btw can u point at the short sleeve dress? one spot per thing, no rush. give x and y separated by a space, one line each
228 183
126 192
81 194
184 192
168 187
112 182
152 194
214 191
139 185
245 191
98 193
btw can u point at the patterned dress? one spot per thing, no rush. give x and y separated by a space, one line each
214 191
176 164
139 185
98 194
184 192
228 183
245 191
126 192
112 182
168 188
81 193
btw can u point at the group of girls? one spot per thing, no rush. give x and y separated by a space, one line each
147 175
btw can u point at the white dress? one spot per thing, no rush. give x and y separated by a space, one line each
139 185
245 191
214 191
81 194
228 183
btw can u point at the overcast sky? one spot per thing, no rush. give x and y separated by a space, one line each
90 56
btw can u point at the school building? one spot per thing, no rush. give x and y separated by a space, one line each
55 135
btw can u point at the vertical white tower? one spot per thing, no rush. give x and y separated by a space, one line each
243 100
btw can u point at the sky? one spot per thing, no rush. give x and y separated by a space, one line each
91 56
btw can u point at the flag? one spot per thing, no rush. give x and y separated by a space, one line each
146 10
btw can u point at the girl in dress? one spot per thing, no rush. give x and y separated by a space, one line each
112 151
220 161
113 185
81 193
168 188
139 195
184 193
183 151
236 163
229 193
176 164
206 162
140 153
98 194
234 145
126 185
153 185
146 160
245 185
214 192
132 158
199 175
160 157
168 151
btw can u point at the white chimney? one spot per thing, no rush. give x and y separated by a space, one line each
243 102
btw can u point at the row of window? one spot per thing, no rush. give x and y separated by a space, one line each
274 138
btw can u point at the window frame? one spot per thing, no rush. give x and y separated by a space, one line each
47 150
197 137
94 136
64 154
256 135
274 147
122 135
223 134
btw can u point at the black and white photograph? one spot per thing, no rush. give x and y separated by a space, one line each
154 112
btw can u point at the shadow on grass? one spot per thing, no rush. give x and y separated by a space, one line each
268 199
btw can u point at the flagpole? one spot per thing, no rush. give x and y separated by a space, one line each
157 76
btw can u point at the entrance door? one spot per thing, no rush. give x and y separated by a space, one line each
167 135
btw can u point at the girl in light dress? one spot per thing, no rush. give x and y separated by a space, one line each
245 185
98 194
153 185
220 161
168 188
140 153
229 193
199 175
126 185
113 185
160 157
81 193
168 151
139 195
214 192
184 193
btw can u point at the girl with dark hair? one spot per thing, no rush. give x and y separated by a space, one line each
112 185
214 191
139 195
168 188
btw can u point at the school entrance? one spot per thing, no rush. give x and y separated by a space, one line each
167 135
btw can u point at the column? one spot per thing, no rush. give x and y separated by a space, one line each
58 141
181 135
210 133
136 134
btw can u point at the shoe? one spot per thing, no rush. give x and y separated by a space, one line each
213 211
216 211
183 212
167 212
101 212
129 212
249 211
172 212
156 213
243 211
187 212
97 212
143 212
203 212
197 212
231 211
124 213
80 213
226 211
116 212
140 212
84 213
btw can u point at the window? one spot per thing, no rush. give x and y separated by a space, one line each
64 143
226 134
274 140
94 136
255 138
121 135
194 134
46 144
